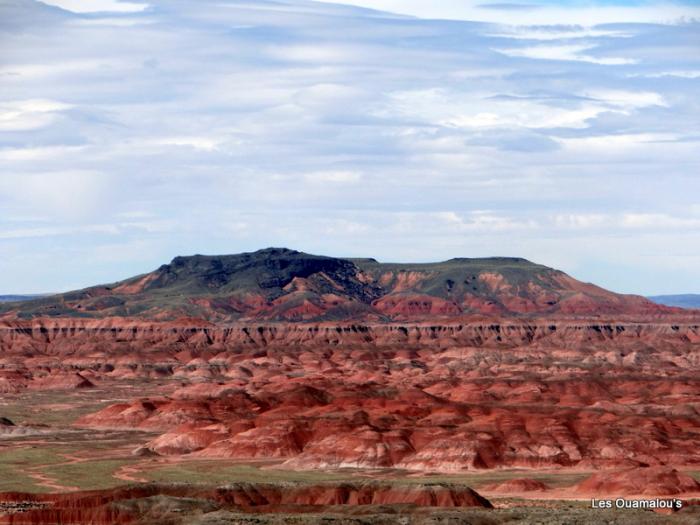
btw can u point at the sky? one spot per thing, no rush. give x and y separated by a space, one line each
567 133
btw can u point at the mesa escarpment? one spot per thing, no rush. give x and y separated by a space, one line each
282 284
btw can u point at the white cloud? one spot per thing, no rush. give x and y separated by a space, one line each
627 99
442 107
136 214
40 70
570 52
545 14
346 227
581 220
621 144
198 143
445 223
96 6
21 115
663 74
323 54
39 153
615 222
55 231
658 220
342 177
334 130
114 22
556 33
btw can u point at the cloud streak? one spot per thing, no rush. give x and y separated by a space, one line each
136 132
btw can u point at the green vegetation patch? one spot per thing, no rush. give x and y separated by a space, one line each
551 479
85 475
16 464
57 408
219 472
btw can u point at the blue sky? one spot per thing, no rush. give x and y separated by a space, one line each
566 133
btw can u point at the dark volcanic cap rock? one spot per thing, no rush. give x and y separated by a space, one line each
271 268
283 284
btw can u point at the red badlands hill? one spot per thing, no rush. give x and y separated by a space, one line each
516 486
652 481
426 397
282 284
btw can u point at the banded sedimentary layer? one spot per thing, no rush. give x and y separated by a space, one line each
428 397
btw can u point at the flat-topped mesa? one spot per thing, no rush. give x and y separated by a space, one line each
287 285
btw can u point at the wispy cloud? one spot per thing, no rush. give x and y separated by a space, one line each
98 6
141 130
569 52
537 13
23 115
